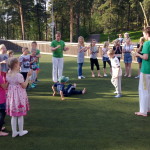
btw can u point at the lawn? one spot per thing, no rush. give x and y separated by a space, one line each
134 35
94 121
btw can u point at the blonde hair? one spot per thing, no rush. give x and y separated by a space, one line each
12 62
81 44
110 52
106 43
9 52
1 47
142 39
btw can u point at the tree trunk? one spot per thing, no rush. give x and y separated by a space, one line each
129 9
38 22
71 22
22 20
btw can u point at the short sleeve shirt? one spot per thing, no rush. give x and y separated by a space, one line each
80 58
25 63
104 52
115 65
146 63
4 67
2 92
58 53
94 51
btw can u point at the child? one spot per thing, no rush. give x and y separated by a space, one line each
64 92
116 72
127 49
139 50
33 66
3 61
80 59
24 60
38 55
17 103
117 49
105 58
3 86
120 38
10 53
93 58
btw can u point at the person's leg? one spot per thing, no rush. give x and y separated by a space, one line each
80 69
126 69
92 66
144 88
60 67
20 125
129 69
109 62
140 64
118 58
55 69
104 68
14 126
119 85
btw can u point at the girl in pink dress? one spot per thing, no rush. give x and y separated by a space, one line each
17 103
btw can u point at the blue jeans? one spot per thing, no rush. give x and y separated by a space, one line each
80 69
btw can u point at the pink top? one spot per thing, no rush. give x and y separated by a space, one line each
2 92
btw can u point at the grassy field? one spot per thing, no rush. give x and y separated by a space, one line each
134 35
94 121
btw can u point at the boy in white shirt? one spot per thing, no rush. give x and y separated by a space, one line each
116 72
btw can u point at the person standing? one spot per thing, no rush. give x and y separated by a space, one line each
57 47
144 82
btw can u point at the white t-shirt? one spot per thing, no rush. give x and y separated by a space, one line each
128 48
105 52
25 63
115 65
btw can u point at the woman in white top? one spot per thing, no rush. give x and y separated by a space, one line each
127 49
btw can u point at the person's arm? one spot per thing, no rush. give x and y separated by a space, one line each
4 85
54 90
55 48
144 56
3 62
24 84
62 95
66 48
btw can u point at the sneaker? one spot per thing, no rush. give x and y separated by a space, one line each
83 77
105 75
32 86
115 92
118 95
79 77
137 77
15 134
24 132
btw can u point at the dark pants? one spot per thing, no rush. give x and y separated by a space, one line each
24 75
2 117
70 90
94 62
80 69
104 63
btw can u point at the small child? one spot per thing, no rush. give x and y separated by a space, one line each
10 53
24 60
105 57
116 72
80 59
17 103
65 92
93 58
3 86
3 61
117 49
33 66
38 55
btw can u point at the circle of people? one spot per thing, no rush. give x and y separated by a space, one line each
18 75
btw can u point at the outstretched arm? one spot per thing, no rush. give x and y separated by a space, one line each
54 90
62 95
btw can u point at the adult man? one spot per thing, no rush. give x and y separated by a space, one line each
57 47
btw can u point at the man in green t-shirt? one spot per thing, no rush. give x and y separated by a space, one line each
144 83
57 47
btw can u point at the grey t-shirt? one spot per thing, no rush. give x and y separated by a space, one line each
4 67
25 63
80 58
94 51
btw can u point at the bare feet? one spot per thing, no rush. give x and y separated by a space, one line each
84 91
93 75
140 114
99 75
54 94
63 99
129 76
3 133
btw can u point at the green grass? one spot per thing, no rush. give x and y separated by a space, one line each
94 121
134 35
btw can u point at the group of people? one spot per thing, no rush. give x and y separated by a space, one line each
17 73
16 76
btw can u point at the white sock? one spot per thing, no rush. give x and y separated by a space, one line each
20 123
14 126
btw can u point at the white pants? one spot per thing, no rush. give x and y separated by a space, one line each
144 93
117 84
58 64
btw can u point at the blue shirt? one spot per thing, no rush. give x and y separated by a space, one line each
60 87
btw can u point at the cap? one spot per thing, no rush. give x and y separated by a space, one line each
63 79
